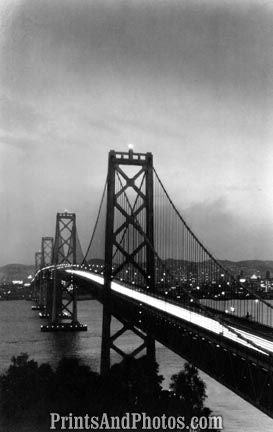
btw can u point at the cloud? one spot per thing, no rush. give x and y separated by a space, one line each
189 81
19 120
217 45
226 234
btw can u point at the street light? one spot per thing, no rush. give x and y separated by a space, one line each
131 147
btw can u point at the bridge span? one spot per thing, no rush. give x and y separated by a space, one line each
151 272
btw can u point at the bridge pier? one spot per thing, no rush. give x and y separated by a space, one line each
105 362
62 307
108 343
40 295
45 314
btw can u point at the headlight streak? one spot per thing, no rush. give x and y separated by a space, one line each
185 314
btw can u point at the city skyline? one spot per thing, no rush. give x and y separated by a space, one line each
191 83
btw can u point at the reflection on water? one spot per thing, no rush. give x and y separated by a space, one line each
20 332
66 345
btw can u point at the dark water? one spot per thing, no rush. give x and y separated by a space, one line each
20 332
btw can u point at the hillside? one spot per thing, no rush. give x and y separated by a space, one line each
249 267
11 272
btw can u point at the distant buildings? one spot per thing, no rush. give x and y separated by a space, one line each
15 290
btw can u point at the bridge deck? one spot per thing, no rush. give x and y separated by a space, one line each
253 337
234 351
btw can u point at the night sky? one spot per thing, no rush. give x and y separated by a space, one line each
190 81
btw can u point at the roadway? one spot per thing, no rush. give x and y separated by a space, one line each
235 332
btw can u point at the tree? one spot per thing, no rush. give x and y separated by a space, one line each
189 388
30 392
75 387
25 386
132 385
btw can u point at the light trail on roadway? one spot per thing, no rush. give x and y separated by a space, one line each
184 314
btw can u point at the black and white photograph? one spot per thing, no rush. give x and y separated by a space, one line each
136 222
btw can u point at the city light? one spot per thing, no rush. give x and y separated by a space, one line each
193 317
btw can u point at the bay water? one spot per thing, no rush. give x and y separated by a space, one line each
20 332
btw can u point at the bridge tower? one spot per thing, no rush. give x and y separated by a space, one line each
129 175
37 282
63 313
47 251
45 288
38 261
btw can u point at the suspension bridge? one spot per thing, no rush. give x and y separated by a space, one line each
152 273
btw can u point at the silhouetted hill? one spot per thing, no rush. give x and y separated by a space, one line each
11 272
249 267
